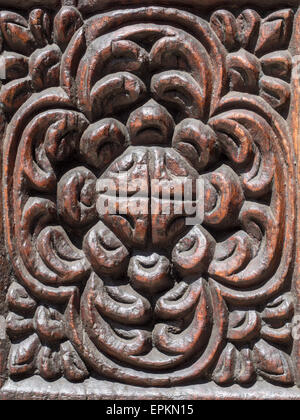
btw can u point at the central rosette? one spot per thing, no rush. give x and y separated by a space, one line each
141 201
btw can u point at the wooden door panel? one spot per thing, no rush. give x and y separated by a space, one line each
149 199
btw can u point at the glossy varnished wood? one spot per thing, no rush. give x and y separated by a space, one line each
95 89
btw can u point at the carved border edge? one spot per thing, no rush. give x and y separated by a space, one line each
89 6
38 389
294 123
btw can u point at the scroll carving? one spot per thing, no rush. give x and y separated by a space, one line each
149 94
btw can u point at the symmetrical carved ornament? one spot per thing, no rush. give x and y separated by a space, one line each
150 93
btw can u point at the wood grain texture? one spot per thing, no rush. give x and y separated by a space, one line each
114 108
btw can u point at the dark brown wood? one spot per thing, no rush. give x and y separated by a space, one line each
103 304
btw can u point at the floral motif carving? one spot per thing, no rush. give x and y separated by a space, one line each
150 94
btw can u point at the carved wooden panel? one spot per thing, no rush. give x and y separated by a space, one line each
147 94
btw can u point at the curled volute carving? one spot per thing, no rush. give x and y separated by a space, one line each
147 97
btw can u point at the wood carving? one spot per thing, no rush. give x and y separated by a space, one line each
152 95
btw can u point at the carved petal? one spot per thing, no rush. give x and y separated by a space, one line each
150 124
102 142
243 326
181 89
230 198
244 71
196 142
114 93
121 343
281 308
105 251
66 23
194 252
50 137
74 368
61 256
49 325
281 335
275 91
18 325
231 256
190 339
248 23
245 370
76 197
15 93
16 65
224 24
178 302
44 67
225 369
126 56
124 305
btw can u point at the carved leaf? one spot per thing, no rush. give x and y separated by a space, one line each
277 64
22 357
76 197
16 65
273 364
275 91
243 326
49 324
16 33
49 363
245 373
281 308
74 368
18 325
275 31
224 372
19 300
15 93
248 24
244 71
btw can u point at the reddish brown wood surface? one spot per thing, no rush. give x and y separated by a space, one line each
151 93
